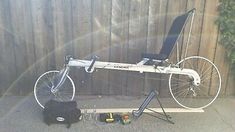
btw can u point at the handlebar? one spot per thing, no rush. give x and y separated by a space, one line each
94 58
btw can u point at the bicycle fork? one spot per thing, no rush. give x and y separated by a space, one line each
60 78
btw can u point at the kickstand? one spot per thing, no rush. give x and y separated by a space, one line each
152 94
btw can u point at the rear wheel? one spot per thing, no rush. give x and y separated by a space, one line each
43 85
185 93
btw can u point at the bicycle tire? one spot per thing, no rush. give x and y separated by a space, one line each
189 96
43 93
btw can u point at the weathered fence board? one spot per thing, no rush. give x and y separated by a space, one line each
119 45
35 36
154 41
82 40
101 20
8 55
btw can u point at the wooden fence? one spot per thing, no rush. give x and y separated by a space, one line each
35 35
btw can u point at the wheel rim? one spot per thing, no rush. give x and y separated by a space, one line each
42 92
190 96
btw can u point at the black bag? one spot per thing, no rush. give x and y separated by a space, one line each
61 112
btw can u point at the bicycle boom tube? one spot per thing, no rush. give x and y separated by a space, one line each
136 68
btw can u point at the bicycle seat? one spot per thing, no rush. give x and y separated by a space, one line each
172 37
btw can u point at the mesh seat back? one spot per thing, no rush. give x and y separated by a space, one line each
174 34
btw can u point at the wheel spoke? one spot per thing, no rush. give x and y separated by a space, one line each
185 96
183 87
202 91
181 93
180 80
188 95
191 65
207 70
202 67
213 75
46 84
179 85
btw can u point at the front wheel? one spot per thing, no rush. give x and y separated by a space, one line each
43 85
190 96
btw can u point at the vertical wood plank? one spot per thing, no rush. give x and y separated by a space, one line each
101 39
38 25
163 91
17 21
67 22
220 60
3 79
137 44
174 9
209 31
82 30
194 43
48 34
27 31
43 36
8 69
222 64
157 13
119 45
22 30
209 34
59 34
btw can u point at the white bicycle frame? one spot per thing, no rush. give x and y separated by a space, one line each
91 65
160 66
139 67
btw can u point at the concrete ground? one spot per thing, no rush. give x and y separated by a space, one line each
22 114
